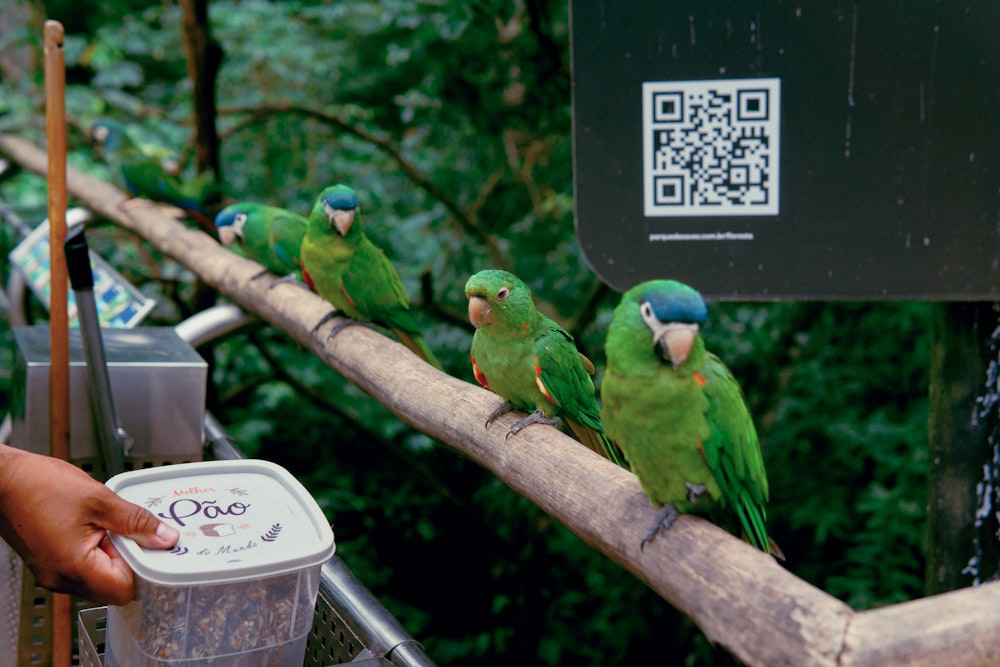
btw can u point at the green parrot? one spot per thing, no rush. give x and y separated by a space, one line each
531 362
343 266
145 177
678 414
268 235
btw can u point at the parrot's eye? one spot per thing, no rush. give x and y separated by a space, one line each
503 293
649 315
240 218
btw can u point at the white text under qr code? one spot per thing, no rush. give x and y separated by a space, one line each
711 148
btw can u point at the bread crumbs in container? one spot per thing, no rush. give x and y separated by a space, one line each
240 586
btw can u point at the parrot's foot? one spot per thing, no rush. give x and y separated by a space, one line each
504 408
337 328
535 417
326 318
664 519
695 491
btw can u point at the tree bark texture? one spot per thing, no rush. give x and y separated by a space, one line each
741 599
957 436
204 57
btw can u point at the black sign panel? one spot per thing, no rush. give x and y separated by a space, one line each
774 150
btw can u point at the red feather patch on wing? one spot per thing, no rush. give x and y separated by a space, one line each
541 385
344 290
700 379
480 378
308 278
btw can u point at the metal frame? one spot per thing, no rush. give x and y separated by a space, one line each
362 615
351 625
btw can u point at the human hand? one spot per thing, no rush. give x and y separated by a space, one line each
55 516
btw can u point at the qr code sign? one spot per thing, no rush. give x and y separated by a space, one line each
711 147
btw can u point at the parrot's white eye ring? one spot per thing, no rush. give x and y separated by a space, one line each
646 309
240 218
503 293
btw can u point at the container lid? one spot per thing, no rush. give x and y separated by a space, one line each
238 520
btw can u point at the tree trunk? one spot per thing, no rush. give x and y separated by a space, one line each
959 447
204 56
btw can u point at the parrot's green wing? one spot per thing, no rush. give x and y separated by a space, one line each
146 178
732 451
374 289
563 376
144 175
285 240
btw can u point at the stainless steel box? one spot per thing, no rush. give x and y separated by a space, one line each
157 381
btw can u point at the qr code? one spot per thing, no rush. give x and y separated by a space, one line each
711 147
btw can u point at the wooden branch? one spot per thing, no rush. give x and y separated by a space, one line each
740 598
956 628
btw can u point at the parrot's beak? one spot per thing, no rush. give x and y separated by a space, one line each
675 340
480 312
228 235
340 219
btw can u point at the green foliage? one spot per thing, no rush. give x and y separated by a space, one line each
873 455
452 121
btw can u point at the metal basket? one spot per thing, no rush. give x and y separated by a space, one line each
91 628
26 628
349 625
331 641
27 624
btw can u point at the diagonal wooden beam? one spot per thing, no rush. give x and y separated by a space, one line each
740 598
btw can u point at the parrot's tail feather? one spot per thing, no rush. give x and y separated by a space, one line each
775 550
598 441
418 346
752 517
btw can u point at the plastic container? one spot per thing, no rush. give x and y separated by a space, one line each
240 586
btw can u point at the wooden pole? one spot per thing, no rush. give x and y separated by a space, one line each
957 440
55 125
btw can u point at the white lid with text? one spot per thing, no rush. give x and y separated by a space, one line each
238 520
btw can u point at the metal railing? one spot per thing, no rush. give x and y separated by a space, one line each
371 623
351 625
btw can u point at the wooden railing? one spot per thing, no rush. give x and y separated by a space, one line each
740 598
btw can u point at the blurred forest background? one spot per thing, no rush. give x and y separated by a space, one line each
452 119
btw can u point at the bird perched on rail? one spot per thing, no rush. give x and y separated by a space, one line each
531 361
269 235
344 267
678 413
144 176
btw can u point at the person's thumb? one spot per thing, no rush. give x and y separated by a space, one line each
138 523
